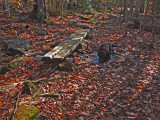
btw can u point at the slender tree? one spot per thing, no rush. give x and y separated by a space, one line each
131 9
153 21
142 4
125 17
147 7
39 10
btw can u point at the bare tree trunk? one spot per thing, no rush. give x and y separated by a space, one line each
131 9
158 5
7 5
53 7
56 7
41 10
147 7
142 6
137 8
125 17
83 3
153 21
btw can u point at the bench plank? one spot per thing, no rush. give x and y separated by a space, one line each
65 48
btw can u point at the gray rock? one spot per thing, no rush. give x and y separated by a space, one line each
75 23
108 22
108 26
72 23
83 26
16 45
40 31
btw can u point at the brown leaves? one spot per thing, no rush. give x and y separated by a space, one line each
101 91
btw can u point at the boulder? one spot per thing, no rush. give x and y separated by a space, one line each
12 65
16 45
83 26
75 23
40 31
72 23
84 18
146 23
148 28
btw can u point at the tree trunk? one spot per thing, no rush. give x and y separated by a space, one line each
39 11
142 6
83 3
158 5
131 9
147 7
153 21
56 7
137 8
125 17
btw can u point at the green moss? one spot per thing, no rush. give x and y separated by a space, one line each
95 21
12 65
14 17
29 113
32 85
76 67
35 98
63 67
52 93
38 93
51 22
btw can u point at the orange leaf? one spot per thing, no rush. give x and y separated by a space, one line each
1 103
12 32
139 87
2 78
132 115
69 91
77 78
127 101
147 68
5 112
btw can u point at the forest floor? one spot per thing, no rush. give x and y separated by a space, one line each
126 88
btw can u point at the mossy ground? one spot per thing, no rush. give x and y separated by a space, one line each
27 113
12 65
63 67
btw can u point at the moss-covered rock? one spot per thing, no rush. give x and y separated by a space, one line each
12 65
27 113
32 87
63 67
40 31
49 22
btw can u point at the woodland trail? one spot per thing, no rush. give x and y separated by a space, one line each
127 88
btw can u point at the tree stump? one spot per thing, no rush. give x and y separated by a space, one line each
104 52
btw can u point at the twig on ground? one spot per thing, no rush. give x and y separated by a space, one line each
16 106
